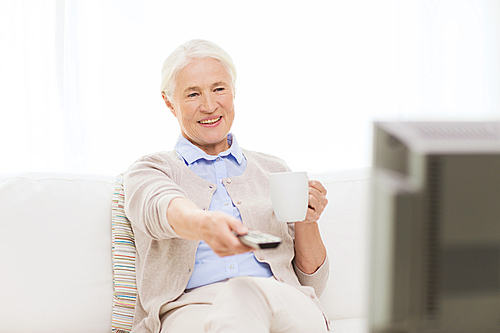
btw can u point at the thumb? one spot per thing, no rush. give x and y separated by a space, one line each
238 227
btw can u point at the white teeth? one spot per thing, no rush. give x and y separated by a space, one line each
210 121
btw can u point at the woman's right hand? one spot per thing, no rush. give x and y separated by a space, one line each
215 228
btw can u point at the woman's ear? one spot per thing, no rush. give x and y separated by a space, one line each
168 103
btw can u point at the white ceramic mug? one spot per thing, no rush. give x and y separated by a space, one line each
289 195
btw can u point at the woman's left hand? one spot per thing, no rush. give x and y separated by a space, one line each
310 252
317 201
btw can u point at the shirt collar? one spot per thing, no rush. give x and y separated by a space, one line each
190 153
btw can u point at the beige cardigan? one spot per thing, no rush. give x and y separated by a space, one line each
165 261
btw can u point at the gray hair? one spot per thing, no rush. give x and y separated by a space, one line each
181 56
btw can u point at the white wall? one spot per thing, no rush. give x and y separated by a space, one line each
81 85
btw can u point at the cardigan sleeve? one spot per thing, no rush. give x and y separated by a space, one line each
149 188
318 279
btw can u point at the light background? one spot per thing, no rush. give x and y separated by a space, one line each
80 80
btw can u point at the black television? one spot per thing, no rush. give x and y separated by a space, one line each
435 227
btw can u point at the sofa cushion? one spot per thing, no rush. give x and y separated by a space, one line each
55 240
344 229
124 254
350 325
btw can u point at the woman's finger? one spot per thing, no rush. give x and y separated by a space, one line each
317 185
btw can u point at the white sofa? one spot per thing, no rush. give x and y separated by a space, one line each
56 261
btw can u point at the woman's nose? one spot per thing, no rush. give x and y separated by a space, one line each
209 104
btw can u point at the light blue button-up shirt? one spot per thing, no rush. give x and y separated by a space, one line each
209 267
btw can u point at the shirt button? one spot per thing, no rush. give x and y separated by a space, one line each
221 181
231 266
217 159
261 258
228 181
313 296
226 203
239 202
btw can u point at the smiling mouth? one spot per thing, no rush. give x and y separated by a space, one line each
210 121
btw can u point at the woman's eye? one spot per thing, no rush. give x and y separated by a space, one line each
219 89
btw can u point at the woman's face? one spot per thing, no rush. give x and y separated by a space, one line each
203 104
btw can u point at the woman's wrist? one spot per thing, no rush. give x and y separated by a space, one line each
184 217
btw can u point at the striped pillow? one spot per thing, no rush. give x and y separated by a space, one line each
124 286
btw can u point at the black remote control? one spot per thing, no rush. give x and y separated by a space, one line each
259 240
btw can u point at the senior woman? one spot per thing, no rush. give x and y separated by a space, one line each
193 273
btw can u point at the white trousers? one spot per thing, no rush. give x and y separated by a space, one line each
241 305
